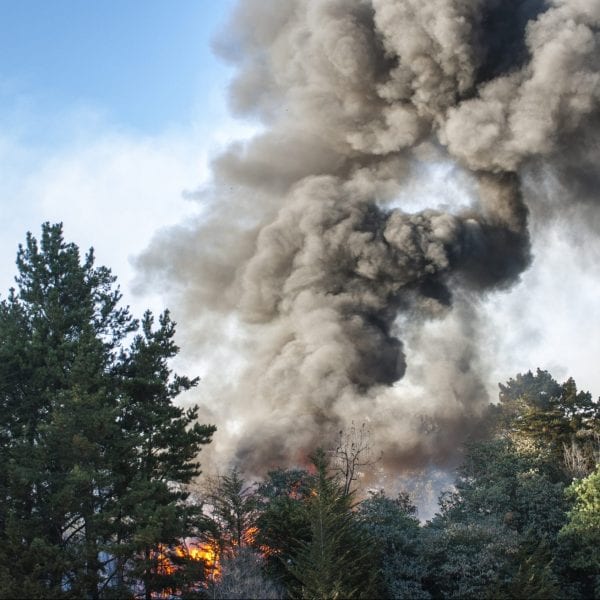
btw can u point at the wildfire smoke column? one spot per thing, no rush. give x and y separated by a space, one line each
304 244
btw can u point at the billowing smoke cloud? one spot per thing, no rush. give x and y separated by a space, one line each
331 286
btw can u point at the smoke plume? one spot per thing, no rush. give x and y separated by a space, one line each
305 262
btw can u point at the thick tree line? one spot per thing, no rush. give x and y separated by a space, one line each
96 459
522 520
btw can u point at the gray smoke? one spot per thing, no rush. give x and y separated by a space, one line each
329 288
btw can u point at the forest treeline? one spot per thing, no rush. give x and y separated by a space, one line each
98 465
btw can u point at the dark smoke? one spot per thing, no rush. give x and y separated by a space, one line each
329 289
503 47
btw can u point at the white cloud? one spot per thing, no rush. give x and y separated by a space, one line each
112 190
551 320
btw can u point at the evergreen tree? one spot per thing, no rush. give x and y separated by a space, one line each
467 559
504 515
337 561
59 333
233 510
283 522
156 456
497 532
89 436
580 538
395 532
550 418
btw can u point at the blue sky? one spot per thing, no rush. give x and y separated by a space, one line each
109 111
144 64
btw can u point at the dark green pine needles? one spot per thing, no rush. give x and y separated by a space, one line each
93 452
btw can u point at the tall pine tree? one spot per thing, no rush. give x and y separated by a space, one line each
89 436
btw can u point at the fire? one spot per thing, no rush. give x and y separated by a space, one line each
210 553
249 536
206 552
163 564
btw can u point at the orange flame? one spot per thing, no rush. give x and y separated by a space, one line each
163 564
206 552
249 536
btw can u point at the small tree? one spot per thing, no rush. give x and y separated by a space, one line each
242 577
233 510
352 452
337 561
582 456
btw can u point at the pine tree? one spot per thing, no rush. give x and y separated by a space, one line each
156 457
233 510
72 457
58 334
337 562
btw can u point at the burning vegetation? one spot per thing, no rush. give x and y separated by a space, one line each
310 247
201 558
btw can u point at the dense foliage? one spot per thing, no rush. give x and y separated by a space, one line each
520 522
96 459
93 452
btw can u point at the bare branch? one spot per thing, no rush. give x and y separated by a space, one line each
352 452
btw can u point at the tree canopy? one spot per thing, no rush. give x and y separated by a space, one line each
94 453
